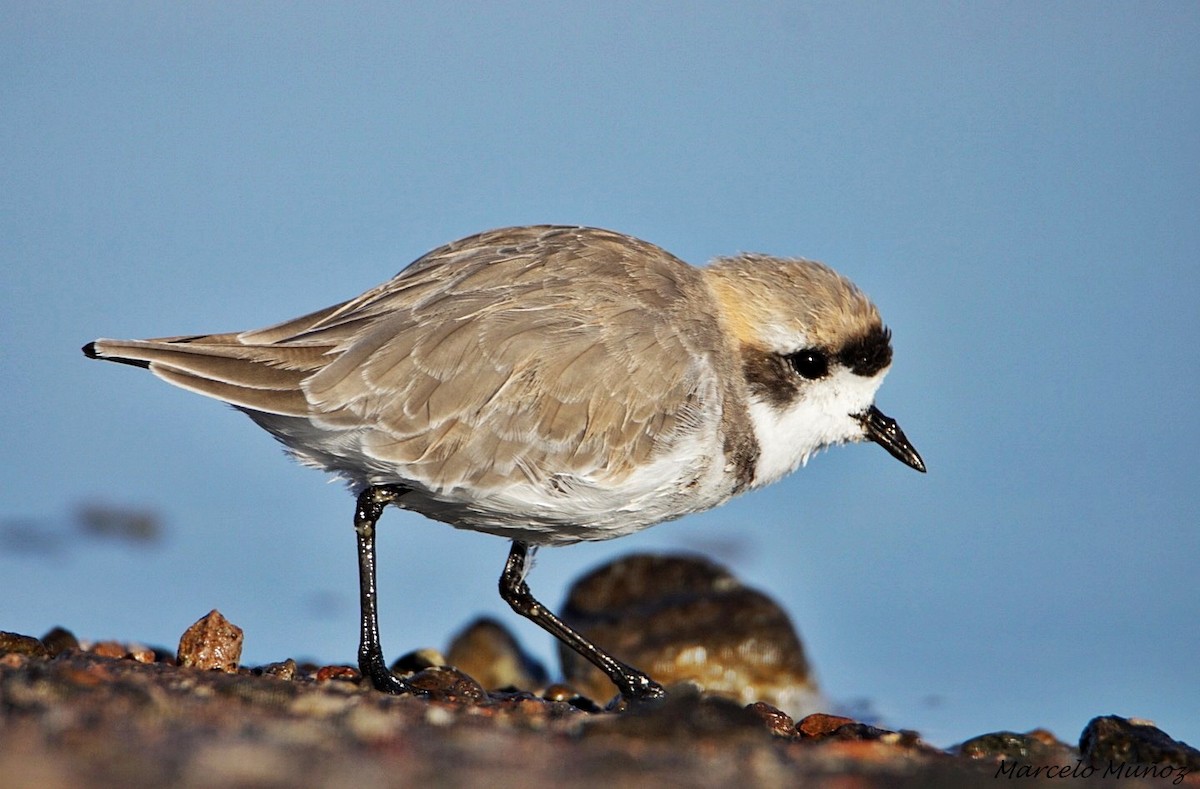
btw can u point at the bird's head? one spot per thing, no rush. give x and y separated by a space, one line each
813 352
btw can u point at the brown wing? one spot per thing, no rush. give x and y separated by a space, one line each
537 350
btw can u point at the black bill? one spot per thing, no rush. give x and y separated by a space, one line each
884 431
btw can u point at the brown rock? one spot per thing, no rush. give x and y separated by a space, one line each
342 673
1112 740
559 692
686 717
487 651
686 619
1037 747
139 652
777 721
213 642
15 643
447 684
285 670
418 660
820 724
109 649
59 640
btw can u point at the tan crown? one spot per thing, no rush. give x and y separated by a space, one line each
775 303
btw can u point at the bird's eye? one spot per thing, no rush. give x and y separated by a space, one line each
809 363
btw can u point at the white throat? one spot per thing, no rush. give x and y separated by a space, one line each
822 416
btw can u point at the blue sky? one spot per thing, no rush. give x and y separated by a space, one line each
1014 184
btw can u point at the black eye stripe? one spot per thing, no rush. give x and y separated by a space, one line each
869 354
779 378
770 376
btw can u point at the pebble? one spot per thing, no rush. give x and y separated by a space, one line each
778 722
487 651
442 683
418 660
139 652
109 649
213 642
820 724
285 670
59 640
685 716
342 673
559 692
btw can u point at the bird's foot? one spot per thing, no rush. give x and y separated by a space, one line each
383 680
637 688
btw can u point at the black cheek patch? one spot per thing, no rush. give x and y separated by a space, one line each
869 354
769 376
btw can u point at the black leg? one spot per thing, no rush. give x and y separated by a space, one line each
370 653
633 684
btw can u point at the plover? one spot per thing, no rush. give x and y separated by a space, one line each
550 385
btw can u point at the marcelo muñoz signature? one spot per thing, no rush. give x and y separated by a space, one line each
1014 769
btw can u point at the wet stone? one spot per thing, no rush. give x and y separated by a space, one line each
59 640
17 644
442 683
686 619
140 652
285 670
1113 740
1037 747
526 709
213 642
684 716
109 649
778 722
338 673
418 660
864 732
837 731
565 693
820 724
559 692
487 651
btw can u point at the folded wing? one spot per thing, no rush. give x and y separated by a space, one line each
545 352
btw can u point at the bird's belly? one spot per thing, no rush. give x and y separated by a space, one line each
557 508
537 516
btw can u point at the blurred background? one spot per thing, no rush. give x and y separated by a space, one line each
1015 185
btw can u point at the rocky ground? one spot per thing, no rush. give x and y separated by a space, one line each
109 714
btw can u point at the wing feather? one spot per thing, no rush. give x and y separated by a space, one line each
539 351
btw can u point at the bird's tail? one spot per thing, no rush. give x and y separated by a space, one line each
258 377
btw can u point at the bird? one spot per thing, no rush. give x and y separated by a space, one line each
553 384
